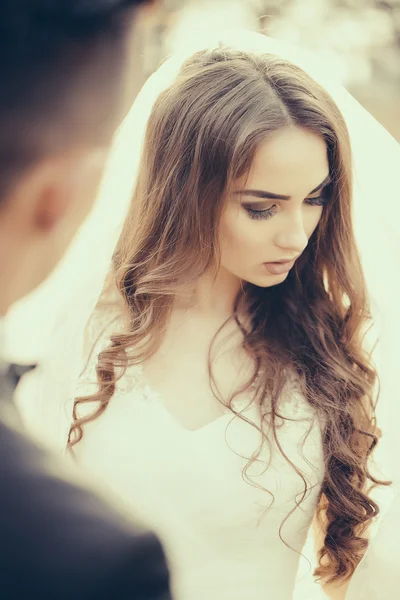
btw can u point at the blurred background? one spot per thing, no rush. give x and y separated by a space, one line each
358 40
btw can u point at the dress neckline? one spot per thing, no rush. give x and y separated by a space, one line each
154 396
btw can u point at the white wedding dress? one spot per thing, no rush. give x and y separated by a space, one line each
221 539
221 534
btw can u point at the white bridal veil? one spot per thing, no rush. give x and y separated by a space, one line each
50 323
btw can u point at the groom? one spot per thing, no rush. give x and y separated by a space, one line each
68 71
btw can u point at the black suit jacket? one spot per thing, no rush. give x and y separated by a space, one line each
58 540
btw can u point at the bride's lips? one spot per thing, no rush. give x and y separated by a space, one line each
277 268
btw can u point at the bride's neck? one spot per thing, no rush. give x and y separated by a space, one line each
213 296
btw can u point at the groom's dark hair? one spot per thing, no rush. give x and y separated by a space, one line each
59 60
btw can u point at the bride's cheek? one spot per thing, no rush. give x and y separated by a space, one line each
245 236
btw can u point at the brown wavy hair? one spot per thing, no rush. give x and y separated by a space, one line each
202 135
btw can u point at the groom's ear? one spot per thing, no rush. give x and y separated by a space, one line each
42 214
56 190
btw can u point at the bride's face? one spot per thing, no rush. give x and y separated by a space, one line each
271 214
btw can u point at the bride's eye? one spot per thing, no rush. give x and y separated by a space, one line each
319 201
267 213
264 214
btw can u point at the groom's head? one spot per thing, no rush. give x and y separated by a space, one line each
69 70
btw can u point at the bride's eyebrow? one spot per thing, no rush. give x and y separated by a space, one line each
271 196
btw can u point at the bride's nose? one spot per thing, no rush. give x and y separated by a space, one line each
292 236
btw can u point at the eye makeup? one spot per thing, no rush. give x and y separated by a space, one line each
256 211
267 213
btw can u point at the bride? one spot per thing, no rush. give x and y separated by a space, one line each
234 390
229 393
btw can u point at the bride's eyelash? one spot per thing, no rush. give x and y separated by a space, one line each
318 201
260 214
267 213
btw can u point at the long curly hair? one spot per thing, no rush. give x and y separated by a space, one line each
202 135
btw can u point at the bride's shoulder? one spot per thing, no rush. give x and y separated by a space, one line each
108 318
100 327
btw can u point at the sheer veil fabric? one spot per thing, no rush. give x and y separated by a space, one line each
50 323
